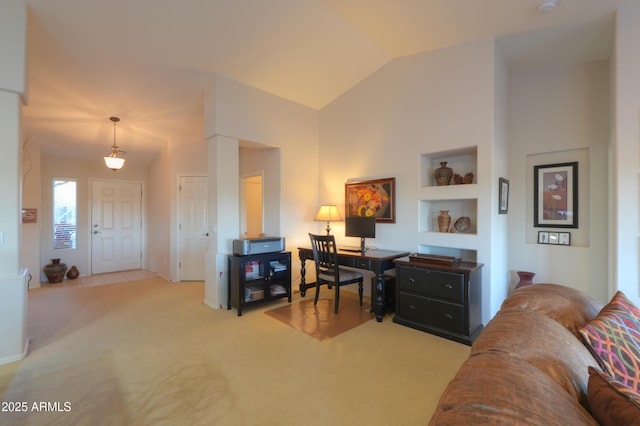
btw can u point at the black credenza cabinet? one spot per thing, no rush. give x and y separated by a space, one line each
440 299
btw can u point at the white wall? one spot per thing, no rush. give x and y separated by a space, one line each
626 155
238 111
561 114
13 283
426 103
500 222
265 162
159 218
31 198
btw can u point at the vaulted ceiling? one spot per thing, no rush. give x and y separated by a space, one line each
147 61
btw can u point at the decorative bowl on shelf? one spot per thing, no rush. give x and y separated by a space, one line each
462 224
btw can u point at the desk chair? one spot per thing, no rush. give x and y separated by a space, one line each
328 271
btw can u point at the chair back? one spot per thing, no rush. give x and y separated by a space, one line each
325 256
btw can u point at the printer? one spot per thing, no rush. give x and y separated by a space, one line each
246 246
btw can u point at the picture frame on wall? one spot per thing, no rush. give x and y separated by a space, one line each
555 197
564 238
503 196
543 237
29 215
371 198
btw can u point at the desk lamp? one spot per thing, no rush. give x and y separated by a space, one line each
328 213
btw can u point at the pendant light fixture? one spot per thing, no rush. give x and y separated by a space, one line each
113 161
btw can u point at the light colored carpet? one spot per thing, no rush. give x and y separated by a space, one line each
150 352
319 321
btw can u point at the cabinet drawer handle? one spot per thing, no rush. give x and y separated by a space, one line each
412 280
449 286
412 307
448 316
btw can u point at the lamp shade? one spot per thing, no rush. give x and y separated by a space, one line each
328 213
114 163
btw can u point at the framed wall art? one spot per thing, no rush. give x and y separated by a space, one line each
371 198
29 215
503 196
555 195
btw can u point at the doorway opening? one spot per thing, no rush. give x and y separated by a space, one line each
251 206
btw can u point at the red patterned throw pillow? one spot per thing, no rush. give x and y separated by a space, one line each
614 339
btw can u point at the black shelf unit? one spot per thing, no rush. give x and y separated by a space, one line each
258 278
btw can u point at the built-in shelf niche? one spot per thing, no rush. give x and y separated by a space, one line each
430 210
461 160
466 255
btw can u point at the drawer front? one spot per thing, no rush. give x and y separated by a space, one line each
429 282
355 263
431 312
362 264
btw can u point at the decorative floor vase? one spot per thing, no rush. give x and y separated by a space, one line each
443 174
73 273
444 221
55 271
526 278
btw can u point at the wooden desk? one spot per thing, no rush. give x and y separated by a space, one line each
376 261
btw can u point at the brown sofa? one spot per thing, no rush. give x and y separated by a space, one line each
528 366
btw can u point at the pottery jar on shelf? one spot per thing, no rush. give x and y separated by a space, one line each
444 221
443 174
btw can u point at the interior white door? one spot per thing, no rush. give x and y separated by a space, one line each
116 226
193 227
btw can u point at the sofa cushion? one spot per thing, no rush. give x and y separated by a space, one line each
542 342
614 339
568 306
495 388
611 402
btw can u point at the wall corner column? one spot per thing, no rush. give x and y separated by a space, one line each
224 215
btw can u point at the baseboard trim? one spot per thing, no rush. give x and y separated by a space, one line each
17 357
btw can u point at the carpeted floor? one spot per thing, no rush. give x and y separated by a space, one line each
149 352
319 321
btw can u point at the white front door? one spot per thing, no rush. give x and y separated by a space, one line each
116 226
193 227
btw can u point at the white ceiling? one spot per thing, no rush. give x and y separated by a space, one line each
146 61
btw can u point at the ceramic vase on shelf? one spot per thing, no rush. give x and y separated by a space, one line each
526 278
73 273
444 221
443 174
55 271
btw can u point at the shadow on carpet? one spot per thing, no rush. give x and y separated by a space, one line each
319 321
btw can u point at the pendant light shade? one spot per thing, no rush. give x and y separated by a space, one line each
113 161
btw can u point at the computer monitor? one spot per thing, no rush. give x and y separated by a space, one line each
362 227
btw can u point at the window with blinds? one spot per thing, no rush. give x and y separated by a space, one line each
65 224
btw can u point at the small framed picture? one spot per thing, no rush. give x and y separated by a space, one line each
543 237
29 215
564 238
503 196
553 238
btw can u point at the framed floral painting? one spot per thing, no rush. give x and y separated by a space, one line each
371 198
